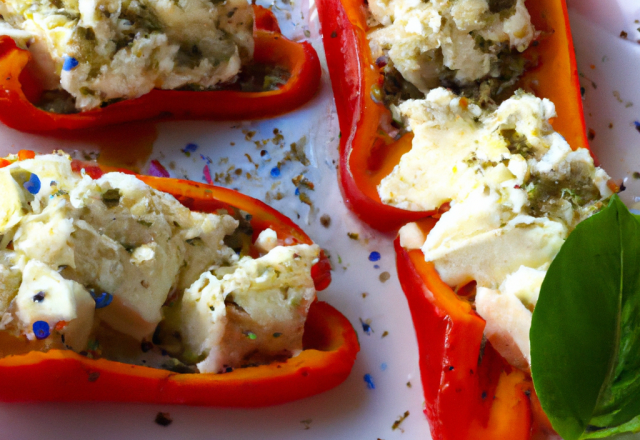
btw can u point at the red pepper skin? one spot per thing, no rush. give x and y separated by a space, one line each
366 156
465 399
330 342
330 349
300 59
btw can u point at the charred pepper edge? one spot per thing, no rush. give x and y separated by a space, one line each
300 59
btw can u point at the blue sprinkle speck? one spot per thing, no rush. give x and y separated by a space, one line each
637 124
366 327
297 192
102 300
376 266
369 380
69 63
275 172
190 148
374 256
33 184
41 329
383 366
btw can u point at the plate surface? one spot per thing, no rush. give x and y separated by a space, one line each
385 383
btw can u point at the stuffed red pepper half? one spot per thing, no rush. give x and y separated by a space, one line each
462 123
69 68
119 287
381 54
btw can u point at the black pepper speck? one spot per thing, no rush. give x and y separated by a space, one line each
163 419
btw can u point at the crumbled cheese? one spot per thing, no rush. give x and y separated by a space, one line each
268 299
516 190
103 50
44 295
411 236
425 39
77 240
267 240
508 324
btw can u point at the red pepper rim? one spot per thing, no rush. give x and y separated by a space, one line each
300 59
330 350
467 395
354 74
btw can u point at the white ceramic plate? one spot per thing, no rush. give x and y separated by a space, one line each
358 409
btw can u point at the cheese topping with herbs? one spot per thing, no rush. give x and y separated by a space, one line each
516 190
462 40
81 258
105 50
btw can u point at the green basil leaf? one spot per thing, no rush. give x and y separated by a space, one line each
585 333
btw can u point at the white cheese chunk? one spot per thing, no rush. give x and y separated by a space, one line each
508 324
254 308
11 209
411 236
524 284
507 311
267 240
45 296
469 243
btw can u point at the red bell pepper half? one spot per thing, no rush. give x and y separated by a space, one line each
330 342
19 90
464 398
368 154
471 392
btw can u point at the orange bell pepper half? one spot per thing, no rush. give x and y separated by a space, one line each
19 90
329 341
367 154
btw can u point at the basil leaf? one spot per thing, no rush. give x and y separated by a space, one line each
585 333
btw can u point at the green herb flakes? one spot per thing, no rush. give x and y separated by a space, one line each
111 198
399 420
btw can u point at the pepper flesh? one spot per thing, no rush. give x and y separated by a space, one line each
367 154
329 341
18 90
471 392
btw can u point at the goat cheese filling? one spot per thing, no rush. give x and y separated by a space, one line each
100 51
114 268
442 42
515 189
